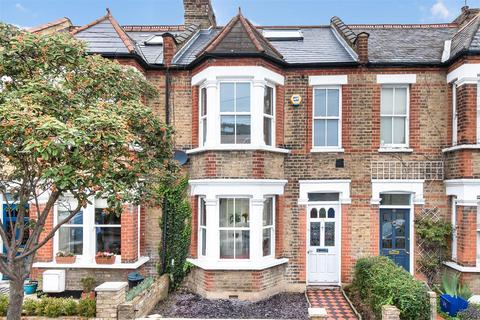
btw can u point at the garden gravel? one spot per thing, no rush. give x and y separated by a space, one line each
188 305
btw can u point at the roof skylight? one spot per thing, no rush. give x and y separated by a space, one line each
156 40
283 34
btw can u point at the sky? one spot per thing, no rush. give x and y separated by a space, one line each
27 13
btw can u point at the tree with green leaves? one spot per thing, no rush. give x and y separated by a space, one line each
70 124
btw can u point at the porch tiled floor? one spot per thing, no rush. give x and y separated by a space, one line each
333 301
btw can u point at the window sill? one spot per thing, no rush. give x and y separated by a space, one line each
332 149
460 268
237 147
237 265
393 150
92 265
461 147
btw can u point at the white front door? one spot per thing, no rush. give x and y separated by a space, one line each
323 244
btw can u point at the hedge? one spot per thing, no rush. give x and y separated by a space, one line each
379 281
53 307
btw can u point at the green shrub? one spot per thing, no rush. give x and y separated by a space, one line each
3 305
380 282
87 308
70 307
30 307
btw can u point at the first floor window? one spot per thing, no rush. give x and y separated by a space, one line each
107 229
394 116
234 228
70 234
268 226
326 117
202 226
478 236
235 125
203 115
268 119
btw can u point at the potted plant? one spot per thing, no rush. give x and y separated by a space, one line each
63 257
104 257
454 295
30 286
88 283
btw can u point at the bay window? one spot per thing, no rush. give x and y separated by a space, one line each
107 229
326 118
236 108
394 116
70 235
236 220
235 112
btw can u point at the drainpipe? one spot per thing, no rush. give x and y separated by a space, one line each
165 204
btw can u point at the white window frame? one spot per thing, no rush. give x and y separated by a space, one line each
272 116
338 147
202 118
271 227
95 225
478 112
454 115
256 190
235 229
407 118
235 113
201 201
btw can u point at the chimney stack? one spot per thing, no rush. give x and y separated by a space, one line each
466 15
169 48
199 12
361 46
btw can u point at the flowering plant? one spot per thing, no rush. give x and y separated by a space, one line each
105 254
64 254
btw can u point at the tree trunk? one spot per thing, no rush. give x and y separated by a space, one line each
16 300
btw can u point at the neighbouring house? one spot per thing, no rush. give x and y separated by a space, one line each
309 147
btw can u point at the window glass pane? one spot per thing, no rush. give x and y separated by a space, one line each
243 129
399 130
204 102
70 240
387 233
204 241
386 130
226 244
227 129
313 213
387 101
268 101
108 239
331 213
478 246
322 213
315 234
320 103
395 199
332 133
400 101
319 133
267 131
242 213
333 102
267 242
227 102
242 244
102 216
243 97
203 212
77 218
268 212
329 234
317 196
226 213
204 130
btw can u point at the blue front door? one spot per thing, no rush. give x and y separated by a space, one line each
394 235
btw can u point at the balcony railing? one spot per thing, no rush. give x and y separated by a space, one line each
407 170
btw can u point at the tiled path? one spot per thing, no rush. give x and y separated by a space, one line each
333 301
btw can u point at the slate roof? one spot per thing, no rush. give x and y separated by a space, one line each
152 54
466 38
404 44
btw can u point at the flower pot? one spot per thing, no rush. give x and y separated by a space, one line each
65 260
89 295
30 288
105 260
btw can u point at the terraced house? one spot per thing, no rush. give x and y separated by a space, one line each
309 146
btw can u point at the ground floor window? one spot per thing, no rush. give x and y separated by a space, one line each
107 229
268 226
234 228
